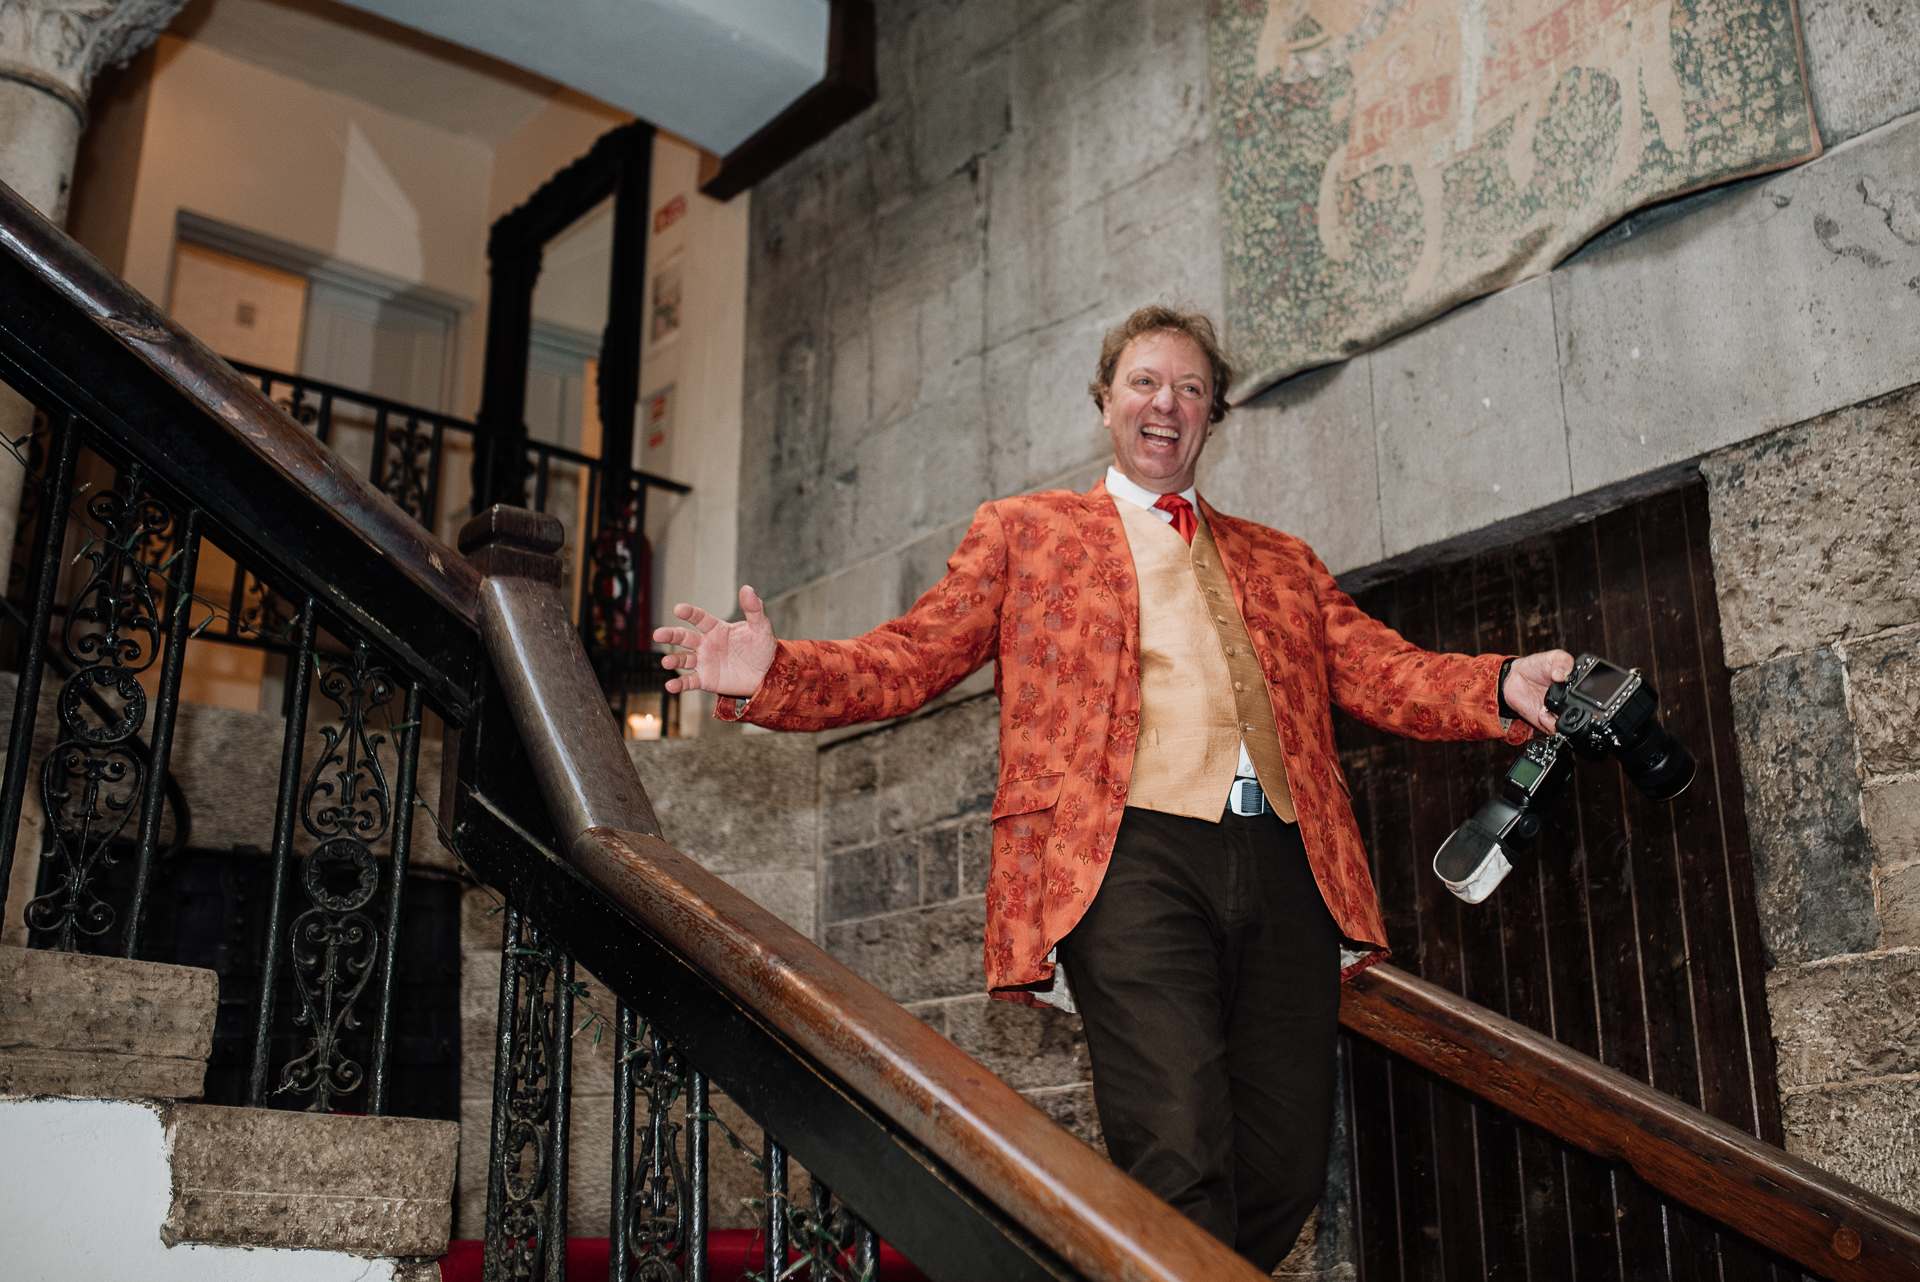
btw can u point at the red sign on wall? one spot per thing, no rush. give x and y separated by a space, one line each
669 214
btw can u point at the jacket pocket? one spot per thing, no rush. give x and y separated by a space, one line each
1023 796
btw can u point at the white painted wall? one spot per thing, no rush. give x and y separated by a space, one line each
698 532
84 1188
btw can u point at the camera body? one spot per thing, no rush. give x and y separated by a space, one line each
1606 710
1601 710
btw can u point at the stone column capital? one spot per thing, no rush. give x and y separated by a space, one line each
60 45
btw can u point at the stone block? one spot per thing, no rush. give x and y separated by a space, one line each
928 242
1897 895
791 894
1883 690
1072 1107
849 792
103 1027
1813 529
1860 61
737 805
1868 1134
965 114
1892 814
1778 303
976 855
1303 459
1812 863
266 1177
1027 1047
1469 420
1062 424
1154 229
944 765
1134 106
1844 1020
918 475
479 1023
917 955
875 879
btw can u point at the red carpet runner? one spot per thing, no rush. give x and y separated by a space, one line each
731 1255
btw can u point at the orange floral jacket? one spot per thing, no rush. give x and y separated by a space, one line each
1043 584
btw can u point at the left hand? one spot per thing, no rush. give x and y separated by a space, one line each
1527 682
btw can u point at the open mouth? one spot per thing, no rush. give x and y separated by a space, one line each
1167 435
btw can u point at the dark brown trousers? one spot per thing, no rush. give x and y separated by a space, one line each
1207 971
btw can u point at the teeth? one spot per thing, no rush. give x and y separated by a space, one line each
1160 433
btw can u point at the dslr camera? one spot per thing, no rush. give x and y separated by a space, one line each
1602 710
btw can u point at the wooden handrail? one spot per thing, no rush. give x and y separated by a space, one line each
1783 1203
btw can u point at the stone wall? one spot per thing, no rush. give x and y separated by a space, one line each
1814 533
926 292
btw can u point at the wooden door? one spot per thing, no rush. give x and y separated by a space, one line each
1630 933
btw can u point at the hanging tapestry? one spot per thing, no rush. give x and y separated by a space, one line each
1382 161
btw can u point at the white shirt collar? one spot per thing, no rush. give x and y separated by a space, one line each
1121 488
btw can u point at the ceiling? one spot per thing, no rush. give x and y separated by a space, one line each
367 58
712 71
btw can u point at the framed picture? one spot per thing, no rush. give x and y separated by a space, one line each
664 315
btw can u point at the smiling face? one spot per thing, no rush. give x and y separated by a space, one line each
1156 410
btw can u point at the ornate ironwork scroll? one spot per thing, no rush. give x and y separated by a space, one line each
836 1245
333 945
655 1194
617 586
406 475
526 1173
92 781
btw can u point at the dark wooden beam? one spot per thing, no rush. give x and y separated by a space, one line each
848 88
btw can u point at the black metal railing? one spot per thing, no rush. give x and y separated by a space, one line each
418 458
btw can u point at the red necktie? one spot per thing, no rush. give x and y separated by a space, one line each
1184 520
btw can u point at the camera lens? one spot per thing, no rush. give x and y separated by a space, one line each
1658 764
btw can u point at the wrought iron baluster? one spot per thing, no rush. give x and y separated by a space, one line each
286 814
652 1202
166 705
837 1245
556 1225
778 1240
525 1240
396 894
334 945
404 475
697 1170
377 469
48 542
436 459
619 1253
95 776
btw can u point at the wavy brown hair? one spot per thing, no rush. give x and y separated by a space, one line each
1171 320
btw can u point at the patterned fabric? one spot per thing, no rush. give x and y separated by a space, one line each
1043 586
1184 521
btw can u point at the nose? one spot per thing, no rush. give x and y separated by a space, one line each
1163 398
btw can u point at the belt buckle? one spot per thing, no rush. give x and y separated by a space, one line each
1247 798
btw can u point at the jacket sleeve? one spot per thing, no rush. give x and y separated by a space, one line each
900 665
1379 677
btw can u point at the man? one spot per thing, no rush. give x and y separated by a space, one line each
1173 849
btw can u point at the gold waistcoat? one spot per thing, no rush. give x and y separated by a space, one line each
1201 692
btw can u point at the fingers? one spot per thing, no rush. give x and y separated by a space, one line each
750 603
696 616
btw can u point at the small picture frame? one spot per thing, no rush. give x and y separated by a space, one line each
665 313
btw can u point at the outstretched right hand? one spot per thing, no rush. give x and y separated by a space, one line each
727 658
